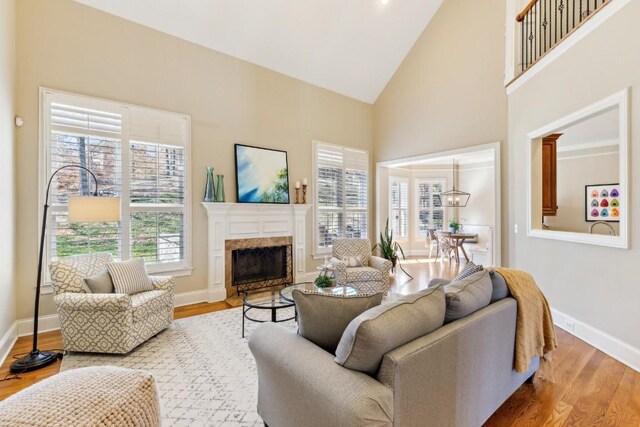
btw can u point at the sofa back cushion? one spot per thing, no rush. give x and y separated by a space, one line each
381 329
68 274
467 295
323 318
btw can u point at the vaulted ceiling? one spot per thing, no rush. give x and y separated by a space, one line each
352 47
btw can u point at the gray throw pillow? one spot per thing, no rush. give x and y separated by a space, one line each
500 288
467 295
323 318
381 329
130 277
101 283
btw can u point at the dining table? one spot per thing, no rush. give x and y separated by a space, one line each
458 239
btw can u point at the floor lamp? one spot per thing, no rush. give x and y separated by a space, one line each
80 209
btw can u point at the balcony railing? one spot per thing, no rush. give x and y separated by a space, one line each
545 23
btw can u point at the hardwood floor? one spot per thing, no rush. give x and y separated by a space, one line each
589 388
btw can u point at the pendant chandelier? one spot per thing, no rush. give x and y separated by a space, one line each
455 198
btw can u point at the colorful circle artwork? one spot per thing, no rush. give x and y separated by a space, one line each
603 202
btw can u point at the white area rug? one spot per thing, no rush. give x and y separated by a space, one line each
204 370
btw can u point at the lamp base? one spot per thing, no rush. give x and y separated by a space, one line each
32 361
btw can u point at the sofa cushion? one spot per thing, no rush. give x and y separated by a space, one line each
500 289
467 271
364 274
381 329
467 295
67 274
145 304
323 318
101 283
130 277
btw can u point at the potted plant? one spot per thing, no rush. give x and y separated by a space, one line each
454 225
387 247
323 281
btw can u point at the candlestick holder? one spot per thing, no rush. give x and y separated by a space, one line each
304 194
297 196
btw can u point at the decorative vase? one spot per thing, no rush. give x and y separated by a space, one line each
220 189
209 189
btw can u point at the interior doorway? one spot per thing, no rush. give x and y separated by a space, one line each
427 191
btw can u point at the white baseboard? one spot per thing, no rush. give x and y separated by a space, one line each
7 342
215 296
619 350
45 324
187 298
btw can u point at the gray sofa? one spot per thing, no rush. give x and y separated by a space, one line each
457 375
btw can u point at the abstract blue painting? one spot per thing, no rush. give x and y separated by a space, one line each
261 175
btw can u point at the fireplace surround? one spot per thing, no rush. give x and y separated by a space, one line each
238 221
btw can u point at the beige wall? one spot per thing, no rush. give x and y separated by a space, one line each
575 170
593 284
479 181
449 91
7 170
64 45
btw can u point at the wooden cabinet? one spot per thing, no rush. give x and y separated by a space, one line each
549 175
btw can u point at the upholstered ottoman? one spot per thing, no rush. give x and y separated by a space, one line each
97 396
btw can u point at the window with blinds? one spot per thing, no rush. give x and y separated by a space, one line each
399 206
429 205
137 154
342 191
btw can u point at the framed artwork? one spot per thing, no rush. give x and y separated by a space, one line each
602 202
262 175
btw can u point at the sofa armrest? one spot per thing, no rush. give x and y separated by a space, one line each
163 283
71 301
381 264
438 281
299 384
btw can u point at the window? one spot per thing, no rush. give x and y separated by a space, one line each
429 205
399 204
137 154
342 191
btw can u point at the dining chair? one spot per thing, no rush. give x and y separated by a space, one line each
432 242
445 244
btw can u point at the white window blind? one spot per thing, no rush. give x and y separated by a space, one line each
429 205
342 190
137 154
399 203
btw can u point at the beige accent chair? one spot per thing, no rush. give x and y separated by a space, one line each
372 277
107 323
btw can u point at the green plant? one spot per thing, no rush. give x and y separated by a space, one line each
323 281
453 223
387 247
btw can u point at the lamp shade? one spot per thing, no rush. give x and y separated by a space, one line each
94 209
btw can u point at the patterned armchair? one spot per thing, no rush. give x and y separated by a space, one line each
107 323
372 277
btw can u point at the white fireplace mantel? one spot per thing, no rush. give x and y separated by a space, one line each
227 221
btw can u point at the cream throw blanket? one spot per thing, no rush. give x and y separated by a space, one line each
535 335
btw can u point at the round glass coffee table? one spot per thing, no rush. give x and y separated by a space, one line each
309 287
270 300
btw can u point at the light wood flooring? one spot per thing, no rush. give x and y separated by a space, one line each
590 388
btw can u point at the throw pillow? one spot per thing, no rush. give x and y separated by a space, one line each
323 318
130 277
101 283
467 271
500 288
381 329
467 295
353 261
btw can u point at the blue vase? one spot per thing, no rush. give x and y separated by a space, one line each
209 190
220 189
